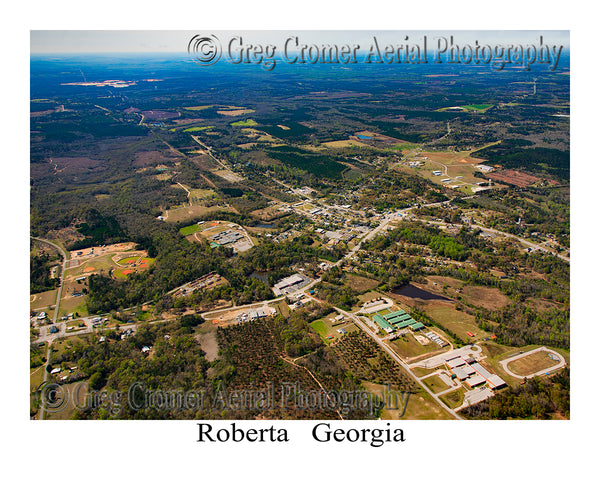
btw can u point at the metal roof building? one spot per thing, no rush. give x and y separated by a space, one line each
475 380
455 362
382 323
417 326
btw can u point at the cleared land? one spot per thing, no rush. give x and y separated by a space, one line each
329 331
456 321
408 346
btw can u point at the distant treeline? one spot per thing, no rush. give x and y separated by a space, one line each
514 153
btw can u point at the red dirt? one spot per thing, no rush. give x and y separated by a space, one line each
513 177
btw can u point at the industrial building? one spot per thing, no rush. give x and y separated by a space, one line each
290 284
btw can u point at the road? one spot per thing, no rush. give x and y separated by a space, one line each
56 310
527 243
398 360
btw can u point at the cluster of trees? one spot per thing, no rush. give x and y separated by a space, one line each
39 269
538 397
519 324
455 248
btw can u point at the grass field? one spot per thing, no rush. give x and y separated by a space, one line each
454 399
422 407
456 321
198 129
490 298
244 123
435 383
407 346
360 284
198 108
41 301
72 304
325 328
183 214
531 364
185 231
478 107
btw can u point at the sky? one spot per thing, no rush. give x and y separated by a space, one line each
121 41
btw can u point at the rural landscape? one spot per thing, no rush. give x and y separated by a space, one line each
228 230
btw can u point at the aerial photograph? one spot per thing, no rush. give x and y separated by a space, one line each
300 225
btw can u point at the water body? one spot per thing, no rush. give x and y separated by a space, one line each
364 137
414 292
264 225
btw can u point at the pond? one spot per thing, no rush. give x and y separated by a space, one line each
264 225
364 137
414 292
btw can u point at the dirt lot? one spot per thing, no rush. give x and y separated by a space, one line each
513 177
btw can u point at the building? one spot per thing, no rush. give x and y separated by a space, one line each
484 168
382 323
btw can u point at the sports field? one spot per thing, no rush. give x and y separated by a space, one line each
531 364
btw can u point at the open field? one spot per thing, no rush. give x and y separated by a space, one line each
326 329
244 123
435 383
43 300
235 112
454 398
228 175
456 321
514 177
457 166
71 304
183 214
408 346
198 129
360 284
422 407
490 298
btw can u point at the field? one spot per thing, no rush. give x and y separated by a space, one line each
235 112
42 301
514 177
325 328
454 398
422 407
531 363
198 108
198 129
184 214
408 346
360 284
435 384
457 166
490 298
244 123
190 229
456 321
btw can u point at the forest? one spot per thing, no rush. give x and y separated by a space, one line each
538 398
